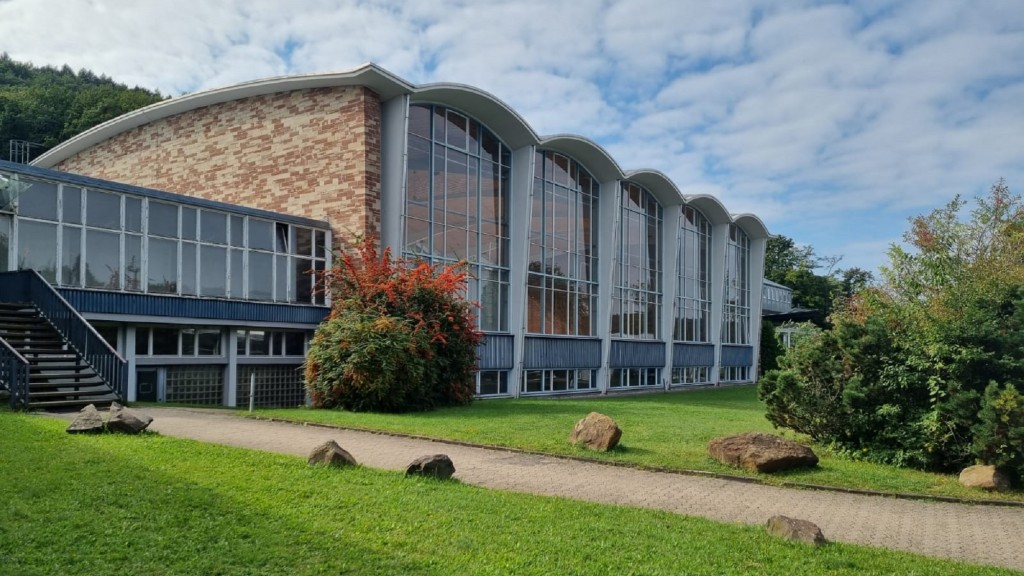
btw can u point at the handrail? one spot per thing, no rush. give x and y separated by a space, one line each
14 371
30 286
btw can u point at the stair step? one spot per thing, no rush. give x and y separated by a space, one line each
69 378
45 385
99 401
62 366
100 389
52 351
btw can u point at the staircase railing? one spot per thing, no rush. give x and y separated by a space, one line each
14 373
29 286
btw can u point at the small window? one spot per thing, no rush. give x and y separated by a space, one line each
142 341
237 231
103 210
72 209
165 341
209 342
163 219
294 343
214 227
132 214
188 223
281 233
38 200
261 235
258 343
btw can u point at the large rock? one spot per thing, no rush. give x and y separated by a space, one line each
88 421
796 530
127 420
985 477
436 465
761 452
330 454
596 432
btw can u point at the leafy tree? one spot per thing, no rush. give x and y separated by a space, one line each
48 105
770 348
400 337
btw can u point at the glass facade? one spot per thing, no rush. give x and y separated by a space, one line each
693 279
85 238
736 303
562 270
636 297
458 177
558 380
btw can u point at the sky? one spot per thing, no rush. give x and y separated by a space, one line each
834 122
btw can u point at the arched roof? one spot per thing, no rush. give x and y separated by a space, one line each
483 106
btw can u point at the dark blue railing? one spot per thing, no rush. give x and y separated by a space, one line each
29 286
14 374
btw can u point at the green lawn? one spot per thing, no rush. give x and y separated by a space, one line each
112 504
666 430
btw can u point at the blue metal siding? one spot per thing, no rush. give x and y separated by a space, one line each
636 354
737 355
496 352
561 353
693 355
96 302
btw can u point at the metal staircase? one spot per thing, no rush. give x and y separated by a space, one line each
50 357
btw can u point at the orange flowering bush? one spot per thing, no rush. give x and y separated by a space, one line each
400 336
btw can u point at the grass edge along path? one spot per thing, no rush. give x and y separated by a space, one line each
660 431
160 505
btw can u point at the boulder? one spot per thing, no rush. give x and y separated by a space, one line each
796 530
437 465
330 454
761 452
596 432
88 421
985 477
127 420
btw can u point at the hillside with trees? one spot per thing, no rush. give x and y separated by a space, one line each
47 105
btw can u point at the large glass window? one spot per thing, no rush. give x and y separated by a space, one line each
5 242
636 300
562 277
736 310
457 187
37 248
693 279
535 381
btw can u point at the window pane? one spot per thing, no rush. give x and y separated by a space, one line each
213 271
37 248
261 235
163 219
261 269
215 227
188 223
163 266
281 234
303 281
281 271
102 259
320 244
38 200
132 214
142 341
5 241
294 343
237 274
188 268
71 256
237 230
240 342
188 342
132 262
72 210
209 342
165 341
103 210
258 345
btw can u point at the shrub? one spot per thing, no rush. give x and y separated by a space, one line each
770 348
999 434
400 337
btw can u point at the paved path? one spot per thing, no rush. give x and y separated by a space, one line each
973 533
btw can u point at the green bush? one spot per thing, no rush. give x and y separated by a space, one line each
400 337
999 434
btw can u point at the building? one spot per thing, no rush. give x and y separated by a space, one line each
590 278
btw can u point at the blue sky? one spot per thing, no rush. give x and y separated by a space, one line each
832 121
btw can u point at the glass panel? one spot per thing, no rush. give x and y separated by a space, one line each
102 259
165 341
258 345
132 214
320 244
163 219
142 341
294 343
457 129
71 256
261 235
237 274
281 284
303 241
133 262
188 268
103 210
188 342
240 342
38 200
281 234
37 248
72 204
214 227
419 121
261 268
5 242
188 223
237 231
303 281
213 271
163 266
209 342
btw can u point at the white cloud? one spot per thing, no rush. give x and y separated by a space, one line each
833 122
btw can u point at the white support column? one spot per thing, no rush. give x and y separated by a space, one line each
719 241
608 231
129 356
757 252
520 206
231 374
394 149
670 255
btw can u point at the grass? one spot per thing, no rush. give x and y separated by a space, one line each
663 430
107 504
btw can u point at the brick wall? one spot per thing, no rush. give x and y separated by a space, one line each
313 153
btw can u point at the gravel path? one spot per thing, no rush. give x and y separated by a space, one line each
973 533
